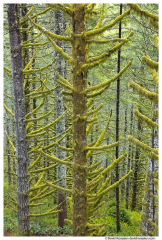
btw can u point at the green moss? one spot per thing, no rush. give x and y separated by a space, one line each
108 26
9 111
147 120
150 63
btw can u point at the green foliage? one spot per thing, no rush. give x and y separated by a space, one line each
39 229
130 220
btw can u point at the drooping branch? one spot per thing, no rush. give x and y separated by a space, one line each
142 91
101 85
147 120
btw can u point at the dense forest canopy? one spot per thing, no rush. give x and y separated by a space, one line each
81 119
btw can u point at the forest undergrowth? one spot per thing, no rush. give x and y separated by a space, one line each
48 226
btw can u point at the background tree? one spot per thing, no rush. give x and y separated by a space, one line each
19 109
149 221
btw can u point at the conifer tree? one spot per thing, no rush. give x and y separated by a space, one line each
149 220
86 179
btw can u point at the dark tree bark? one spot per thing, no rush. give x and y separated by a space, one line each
60 126
117 134
19 107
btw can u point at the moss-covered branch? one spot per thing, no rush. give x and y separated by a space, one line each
156 39
36 109
59 188
93 197
147 120
95 110
94 165
89 8
39 118
47 126
101 85
8 71
111 51
43 214
116 161
32 70
142 91
40 196
108 26
50 34
55 158
59 50
11 144
95 172
97 93
150 63
144 13
142 145
104 147
101 18
155 76
9 111
64 82
43 169
107 41
66 10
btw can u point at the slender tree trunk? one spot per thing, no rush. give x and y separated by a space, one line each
125 149
19 107
128 163
136 169
25 60
8 158
117 135
60 127
79 125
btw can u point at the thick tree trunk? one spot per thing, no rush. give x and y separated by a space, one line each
60 127
79 124
19 107
117 135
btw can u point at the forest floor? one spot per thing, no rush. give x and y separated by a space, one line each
48 226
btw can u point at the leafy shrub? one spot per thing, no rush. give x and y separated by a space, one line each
125 216
8 226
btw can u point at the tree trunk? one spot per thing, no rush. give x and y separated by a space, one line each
136 169
149 218
60 127
19 107
117 134
79 124
128 164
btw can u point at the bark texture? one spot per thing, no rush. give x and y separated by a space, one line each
117 134
60 126
19 109
79 123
